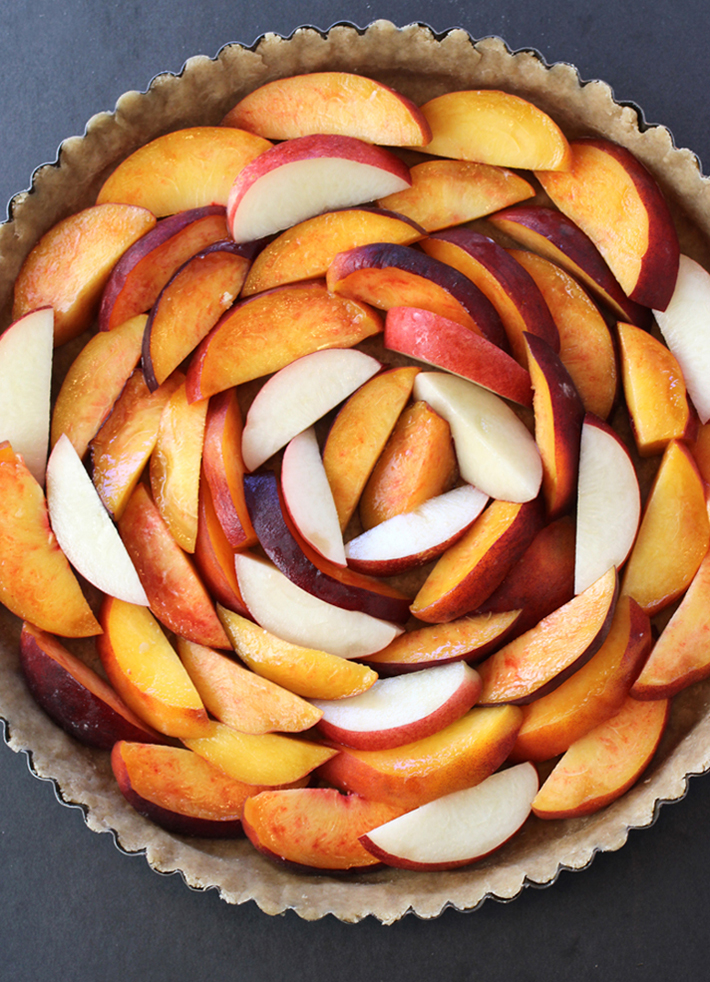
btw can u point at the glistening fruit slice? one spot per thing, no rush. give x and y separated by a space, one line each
25 383
294 615
308 672
477 821
538 661
495 450
36 581
495 127
303 177
330 102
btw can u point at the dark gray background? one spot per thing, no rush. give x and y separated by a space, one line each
71 905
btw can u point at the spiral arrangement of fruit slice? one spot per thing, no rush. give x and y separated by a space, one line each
379 480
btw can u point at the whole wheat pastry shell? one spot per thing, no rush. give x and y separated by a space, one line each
421 65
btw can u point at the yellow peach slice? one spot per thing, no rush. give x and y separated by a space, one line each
495 127
71 263
308 672
185 169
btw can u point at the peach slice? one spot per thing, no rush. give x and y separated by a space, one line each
494 448
674 534
495 127
508 286
311 829
70 265
179 790
123 445
684 326
586 344
302 618
307 672
94 381
302 177
214 555
175 465
468 572
359 434
306 568
308 498
189 168
84 530
654 389
26 358
551 234
468 638
146 267
265 333
36 581
477 820
240 698
146 672
401 709
299 395
559 413
611 196
594 694
387 275
258 758
306 250
700 449
330 102
460 756
542 579
175 592
537 662
608 503
598 768
414 538
443 343
451 192
188 308
224 468
75 696
417 463
680 656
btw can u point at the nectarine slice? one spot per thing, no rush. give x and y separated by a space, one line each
36 581
612 197
540 660
495 127
599 767
214 556
308 672
461 755
186 169
314 828
674 534
591 695
70 265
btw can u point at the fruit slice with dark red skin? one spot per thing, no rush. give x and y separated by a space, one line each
542 579
443 343
559 414
214 556
509 287
614 199
189 306
281 546
387 275
593 694
600 766
181 791
144 269
557 238
314 829
537 662
75 696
